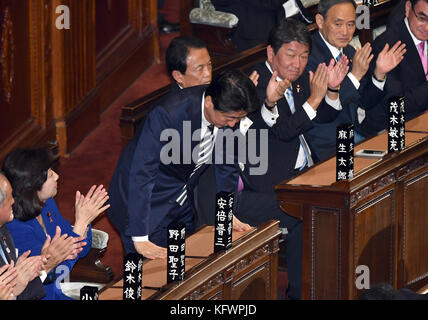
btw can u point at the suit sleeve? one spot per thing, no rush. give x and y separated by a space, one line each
416 97
143 172
34 291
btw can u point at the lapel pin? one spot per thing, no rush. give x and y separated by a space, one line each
298 88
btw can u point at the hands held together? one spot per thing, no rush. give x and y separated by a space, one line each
89 207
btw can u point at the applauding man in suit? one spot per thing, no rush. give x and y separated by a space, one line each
336 20
409 79
19 276
293 99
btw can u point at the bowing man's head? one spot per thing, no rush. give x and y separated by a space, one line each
229 98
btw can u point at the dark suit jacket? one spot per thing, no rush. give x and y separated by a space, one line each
322 138
34 289
256 19
407 79
143 190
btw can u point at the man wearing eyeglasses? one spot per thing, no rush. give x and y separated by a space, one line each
409 78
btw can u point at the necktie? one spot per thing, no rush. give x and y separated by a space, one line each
3 256
421 50
303 144
206 147
4 250
338 56
240 184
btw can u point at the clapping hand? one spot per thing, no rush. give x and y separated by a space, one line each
8 276
61 248
389 59
28 268
318 83
361 61
275 89
254 77
89 207
337 72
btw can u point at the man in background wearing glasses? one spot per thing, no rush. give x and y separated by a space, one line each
409 78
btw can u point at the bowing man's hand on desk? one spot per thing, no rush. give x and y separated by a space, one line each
240 226
150 250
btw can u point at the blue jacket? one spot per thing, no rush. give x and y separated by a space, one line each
29 235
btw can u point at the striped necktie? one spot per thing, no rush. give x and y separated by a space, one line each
3 256
339 56
303 143
206 147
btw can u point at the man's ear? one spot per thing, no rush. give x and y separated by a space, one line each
178 77
407 8
209 103
319 20
270 53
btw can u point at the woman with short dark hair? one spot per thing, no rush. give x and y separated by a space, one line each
39 226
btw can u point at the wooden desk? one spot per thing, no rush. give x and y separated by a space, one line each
248 270
378 219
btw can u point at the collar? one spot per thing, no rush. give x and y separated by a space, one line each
334 51
277 78
205 122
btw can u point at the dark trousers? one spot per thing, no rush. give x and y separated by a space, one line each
255 208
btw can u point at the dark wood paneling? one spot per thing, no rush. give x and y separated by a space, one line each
53 84
374 244
414 229
382 224
326 243
111 17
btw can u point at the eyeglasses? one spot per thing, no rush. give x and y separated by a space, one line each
422 19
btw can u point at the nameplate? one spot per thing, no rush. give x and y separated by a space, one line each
344 152
396 124
223 221
89 293
132 276
176 252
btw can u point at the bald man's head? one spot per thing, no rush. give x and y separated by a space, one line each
6 200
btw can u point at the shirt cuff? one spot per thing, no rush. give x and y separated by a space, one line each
335 104
354 80
43 275
309 110
140 239
378 84
269 117
244 125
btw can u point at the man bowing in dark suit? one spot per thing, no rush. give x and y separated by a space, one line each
336 20
153 184
19 274
409 79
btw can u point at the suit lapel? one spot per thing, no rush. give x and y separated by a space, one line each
7 245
